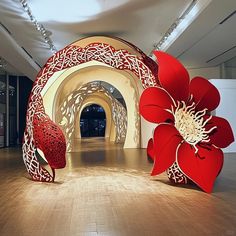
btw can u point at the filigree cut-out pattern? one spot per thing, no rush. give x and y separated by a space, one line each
72 104
68 57
175 175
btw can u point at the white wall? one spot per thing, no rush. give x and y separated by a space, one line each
147 129
227 107
208 73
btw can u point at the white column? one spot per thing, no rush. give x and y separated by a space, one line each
7 111
17 107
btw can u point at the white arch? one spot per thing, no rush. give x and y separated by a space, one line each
100 102
73 78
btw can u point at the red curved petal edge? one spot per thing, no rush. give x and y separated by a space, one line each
172 76
153 103
166 140
204 93
223 135
202 168
50 139
150 149
203 163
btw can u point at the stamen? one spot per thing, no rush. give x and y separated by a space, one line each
191 125
210 130
206 140
206 121
200 113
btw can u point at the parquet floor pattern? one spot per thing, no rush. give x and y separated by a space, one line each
105 190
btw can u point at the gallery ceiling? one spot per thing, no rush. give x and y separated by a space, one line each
208 40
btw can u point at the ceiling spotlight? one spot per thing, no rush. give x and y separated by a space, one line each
45 33
179 25
3 63
111 89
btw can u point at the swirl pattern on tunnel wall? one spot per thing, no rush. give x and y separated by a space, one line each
70 56
65 116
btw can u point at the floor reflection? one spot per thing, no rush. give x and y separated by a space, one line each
101 152
107 190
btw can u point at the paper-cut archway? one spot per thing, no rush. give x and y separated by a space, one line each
66 113
41 132
187 141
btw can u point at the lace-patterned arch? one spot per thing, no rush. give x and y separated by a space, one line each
73 103
53 140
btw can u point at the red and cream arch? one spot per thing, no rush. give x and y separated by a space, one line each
98 53
69 121
187 140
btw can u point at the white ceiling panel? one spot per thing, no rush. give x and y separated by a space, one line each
208 41
142 22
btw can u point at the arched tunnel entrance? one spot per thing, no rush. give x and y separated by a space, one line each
64 83
93 121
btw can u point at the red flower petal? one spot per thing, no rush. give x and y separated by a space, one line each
49 138
172 76
223 136
150 149
205 94
153 101
166 140
203 167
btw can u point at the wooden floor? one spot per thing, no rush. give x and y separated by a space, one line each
105 190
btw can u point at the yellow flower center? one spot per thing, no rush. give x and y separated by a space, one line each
191 124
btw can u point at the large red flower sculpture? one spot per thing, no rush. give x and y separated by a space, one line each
187 141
